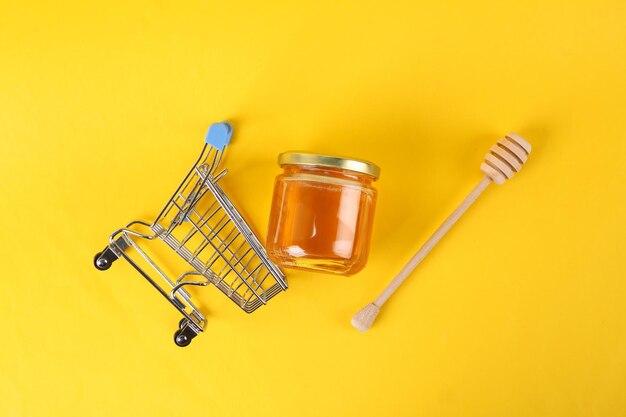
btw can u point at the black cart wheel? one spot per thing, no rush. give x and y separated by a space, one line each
181 338
100 262
182 322
103 260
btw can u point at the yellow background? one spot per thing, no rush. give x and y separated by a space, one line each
521 311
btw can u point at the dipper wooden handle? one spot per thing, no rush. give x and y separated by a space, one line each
503 160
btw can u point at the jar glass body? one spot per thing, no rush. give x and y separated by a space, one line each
321 219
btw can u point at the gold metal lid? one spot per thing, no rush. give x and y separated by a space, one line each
304 158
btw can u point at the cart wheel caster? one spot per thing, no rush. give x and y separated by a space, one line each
181 338
103 260
100 262
185 334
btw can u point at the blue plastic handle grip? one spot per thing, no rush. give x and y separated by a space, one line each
219 135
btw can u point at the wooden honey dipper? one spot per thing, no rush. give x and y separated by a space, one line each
503 160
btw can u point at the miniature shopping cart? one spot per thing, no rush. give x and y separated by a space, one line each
204 228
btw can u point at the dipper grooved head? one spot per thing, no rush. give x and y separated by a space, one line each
505 158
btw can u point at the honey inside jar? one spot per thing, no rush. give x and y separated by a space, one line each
322 213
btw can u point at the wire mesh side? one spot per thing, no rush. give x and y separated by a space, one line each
200 223
192 188
247 232
211 240
231 274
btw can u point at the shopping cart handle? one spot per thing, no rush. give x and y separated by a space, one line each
219 135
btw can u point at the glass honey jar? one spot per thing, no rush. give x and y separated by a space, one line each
322 213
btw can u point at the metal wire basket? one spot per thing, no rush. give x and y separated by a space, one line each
204 228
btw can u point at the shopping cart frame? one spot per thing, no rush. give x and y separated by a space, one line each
255 278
